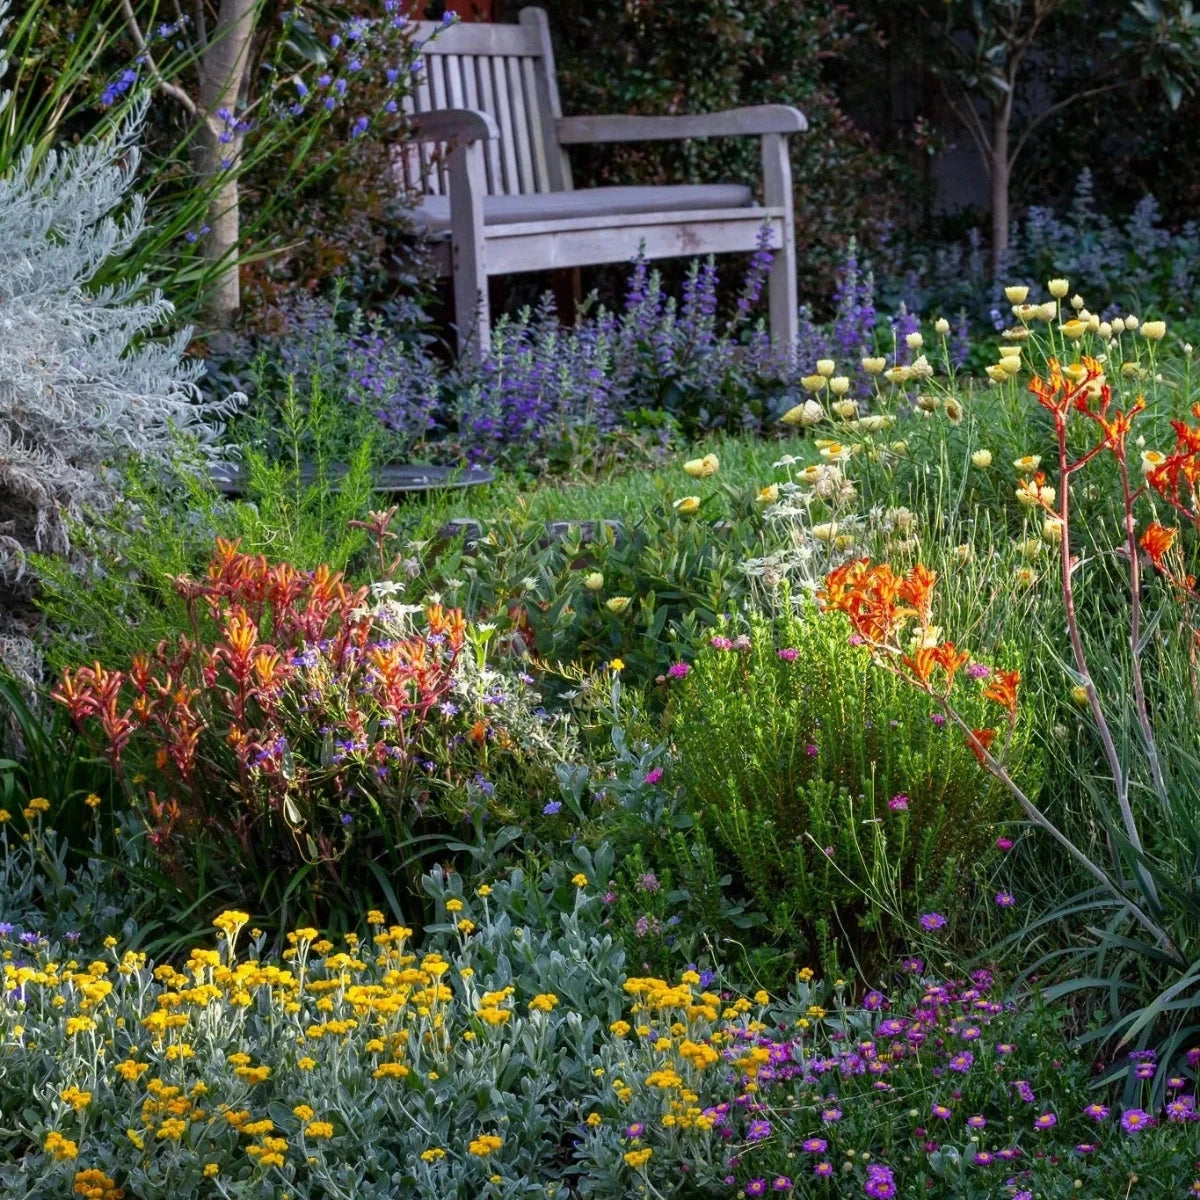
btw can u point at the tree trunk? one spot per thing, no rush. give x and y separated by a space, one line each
1000 170
218 146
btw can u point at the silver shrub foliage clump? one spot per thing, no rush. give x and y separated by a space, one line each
82 381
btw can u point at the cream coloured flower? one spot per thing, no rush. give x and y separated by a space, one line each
768 494
1015 294
826 531
687 505
981 459
813 383
914 340
617 604
1052 530
1058 288
839 385
845 408
874 366
826 367
1028 462
594 582
941 326
1152 459
1074 329
1154 330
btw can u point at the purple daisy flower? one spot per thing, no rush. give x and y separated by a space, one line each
931 921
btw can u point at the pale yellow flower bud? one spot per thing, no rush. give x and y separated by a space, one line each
874 366
1105 330
845 408
1018 333
826 366
1077 302
875 422
914 341
617 604
768 494
1010 352
813 383
1118 325
1073 329
1093 321
807 414
900 448
1048 311
898 374
1029 548
839 385
1026 312
964 552
927 403
996 373
1154 330
702 468
1052 530
1016 294
1131 322
825 532
1058 288
922 368
982 459
593 582
953 411
941 326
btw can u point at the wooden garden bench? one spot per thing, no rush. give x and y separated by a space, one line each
490 157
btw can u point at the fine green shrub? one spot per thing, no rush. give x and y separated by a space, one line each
843 801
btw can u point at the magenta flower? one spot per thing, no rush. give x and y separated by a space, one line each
1098 1112
782 1184
898 803
721 643
977 1122
678 670
940 1111
984 1159
815 1145
829 1115
880 1184
811 750
756 1187
978 671
1134 1120
1003 843
1046 1121
788 654
758 1131
823 1170
961 1062
655 775
1005 900
931 921
1086 1148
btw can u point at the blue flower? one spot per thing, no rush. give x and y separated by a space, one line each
553 808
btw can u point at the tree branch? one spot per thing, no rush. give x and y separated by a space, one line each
164 85
1038 118
969 119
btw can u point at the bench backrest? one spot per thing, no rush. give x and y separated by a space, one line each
507 71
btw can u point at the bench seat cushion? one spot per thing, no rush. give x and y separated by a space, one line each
434 212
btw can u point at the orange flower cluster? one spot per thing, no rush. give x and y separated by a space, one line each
880 605
289 666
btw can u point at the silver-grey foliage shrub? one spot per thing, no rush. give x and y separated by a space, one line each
82 380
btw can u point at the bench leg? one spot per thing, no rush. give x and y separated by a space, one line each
468 262
781 283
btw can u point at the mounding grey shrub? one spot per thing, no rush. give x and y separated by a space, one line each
84 380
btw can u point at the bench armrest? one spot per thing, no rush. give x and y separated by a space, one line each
735 122
454 125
